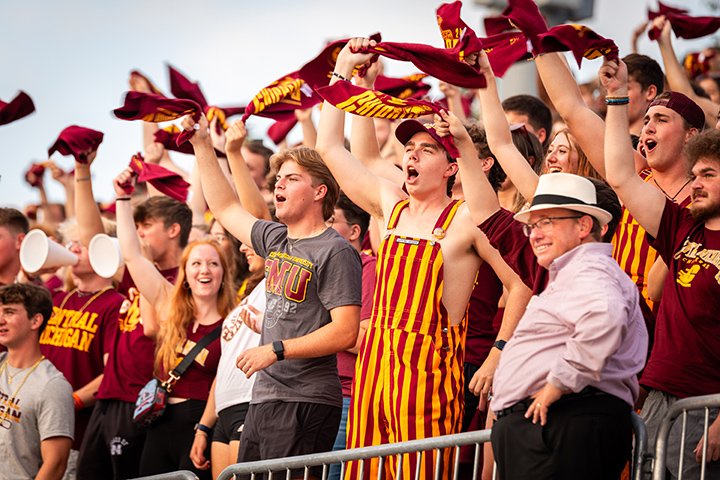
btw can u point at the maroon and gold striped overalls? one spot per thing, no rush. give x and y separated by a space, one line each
409 373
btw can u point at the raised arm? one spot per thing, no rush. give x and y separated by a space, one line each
220 198
363 140
304 118
644 202
674 72
148 279
499 138
565 95
86 209
250 197
479 194
356 180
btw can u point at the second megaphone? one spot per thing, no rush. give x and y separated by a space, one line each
38 252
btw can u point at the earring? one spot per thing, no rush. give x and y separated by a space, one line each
186 285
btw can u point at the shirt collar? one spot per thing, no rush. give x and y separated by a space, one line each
591 248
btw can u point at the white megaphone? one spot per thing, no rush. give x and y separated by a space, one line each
37 252
105 255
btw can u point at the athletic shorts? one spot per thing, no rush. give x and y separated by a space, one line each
229 425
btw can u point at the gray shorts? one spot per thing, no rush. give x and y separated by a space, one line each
654 410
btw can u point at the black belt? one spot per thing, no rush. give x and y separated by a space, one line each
525 403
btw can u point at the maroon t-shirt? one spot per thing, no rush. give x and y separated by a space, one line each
54 284
76 337
130 365
346 360
482 309
506 235
195 383
685 357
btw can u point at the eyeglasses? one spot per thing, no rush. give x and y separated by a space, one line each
331 221
544 224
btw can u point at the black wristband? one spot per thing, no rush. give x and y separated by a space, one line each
203 428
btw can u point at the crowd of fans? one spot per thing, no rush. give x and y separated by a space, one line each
542 266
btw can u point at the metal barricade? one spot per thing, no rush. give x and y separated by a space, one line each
681 409
435 445
180 475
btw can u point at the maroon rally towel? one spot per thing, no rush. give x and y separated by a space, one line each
697 63
19 107
683 24
281 98
166 181
182 87
317 72
370 103
453 28
523 15
168 136
505 49
502 47
77 141
135 74
578 39
411 86
156 108
278 131
440 63
34 174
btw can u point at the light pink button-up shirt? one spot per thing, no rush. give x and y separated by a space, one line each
584 329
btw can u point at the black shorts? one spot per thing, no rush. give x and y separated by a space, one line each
285 429
229 425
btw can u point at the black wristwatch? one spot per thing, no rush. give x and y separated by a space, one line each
279 349
499 344
203 428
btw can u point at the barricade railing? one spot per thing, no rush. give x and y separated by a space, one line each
180 475
681 409
325 459
434 445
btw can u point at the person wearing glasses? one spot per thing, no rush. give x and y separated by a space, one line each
567 379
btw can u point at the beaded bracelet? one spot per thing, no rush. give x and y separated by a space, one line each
617 100
82 179
335 74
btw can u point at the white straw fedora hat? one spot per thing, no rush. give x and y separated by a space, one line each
565 190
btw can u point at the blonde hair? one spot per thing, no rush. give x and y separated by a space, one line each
584 168
180 308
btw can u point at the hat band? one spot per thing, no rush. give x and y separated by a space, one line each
559 200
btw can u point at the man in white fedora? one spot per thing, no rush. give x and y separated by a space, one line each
567 379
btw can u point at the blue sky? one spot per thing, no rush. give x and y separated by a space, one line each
73 59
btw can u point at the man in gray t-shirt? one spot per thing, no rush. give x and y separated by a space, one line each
313 285
37 418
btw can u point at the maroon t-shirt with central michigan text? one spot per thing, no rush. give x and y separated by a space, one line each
78 334
130 365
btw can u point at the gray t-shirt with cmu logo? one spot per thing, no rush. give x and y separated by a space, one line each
41 408
305 279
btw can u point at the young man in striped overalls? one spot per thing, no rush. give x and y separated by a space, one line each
409 376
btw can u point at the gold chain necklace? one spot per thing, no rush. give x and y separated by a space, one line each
87 304
10 378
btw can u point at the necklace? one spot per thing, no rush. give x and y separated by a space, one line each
672 199
87 304
10 378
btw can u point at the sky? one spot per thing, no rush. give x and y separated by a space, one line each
73 58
